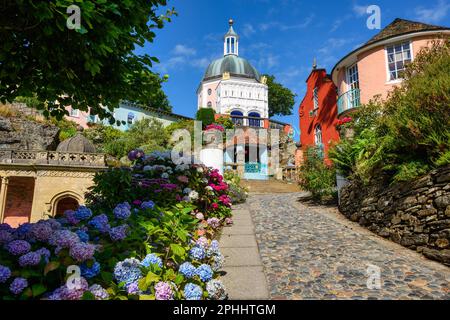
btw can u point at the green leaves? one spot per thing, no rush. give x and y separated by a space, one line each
38 289
51 266
281 99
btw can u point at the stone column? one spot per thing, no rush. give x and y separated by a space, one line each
3 193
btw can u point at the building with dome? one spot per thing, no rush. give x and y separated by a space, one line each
232 86
36 184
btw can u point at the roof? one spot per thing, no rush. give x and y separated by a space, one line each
231 33
236 66
160 111
76 144
398 27
402 26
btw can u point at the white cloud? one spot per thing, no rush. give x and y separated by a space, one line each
248 30
286 27
360 10
182 50
433 14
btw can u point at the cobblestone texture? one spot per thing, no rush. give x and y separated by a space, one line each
311 253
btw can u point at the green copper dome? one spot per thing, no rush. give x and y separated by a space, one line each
233 64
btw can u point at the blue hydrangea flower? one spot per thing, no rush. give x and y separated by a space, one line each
118 233
18 285
187 270
127 271
90 272
41 231
30 259
5 236
71 218
151 259
148 205
100 223
5 227
204 272
218 260
197 253
213 248
18 247
5 273
133 288
122 211
84 237
83 213
44 252
192 292
98 292
23 230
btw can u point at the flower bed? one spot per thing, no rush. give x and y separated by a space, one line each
147 233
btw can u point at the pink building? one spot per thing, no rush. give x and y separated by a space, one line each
377 66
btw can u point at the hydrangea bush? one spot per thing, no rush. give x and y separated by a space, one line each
146 233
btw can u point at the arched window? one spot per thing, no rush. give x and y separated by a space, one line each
252 122
130 118
237 117
209 104
318 135
64 204
209 92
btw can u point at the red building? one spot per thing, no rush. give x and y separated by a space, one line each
318 113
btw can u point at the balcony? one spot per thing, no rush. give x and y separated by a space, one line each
349 100
253 122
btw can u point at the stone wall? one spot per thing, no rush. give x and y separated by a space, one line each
415 214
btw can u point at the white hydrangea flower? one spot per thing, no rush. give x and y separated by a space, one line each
165 175
193 195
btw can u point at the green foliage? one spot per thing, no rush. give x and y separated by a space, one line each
102 135
91 67
67 128
206 116
225 122
409 133
147 134
237 193
317 177
281 99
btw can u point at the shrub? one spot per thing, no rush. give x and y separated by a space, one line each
237 193
317 177
206 116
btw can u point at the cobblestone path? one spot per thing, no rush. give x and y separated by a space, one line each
314 253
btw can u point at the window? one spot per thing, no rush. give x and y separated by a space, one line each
353 98
92 118
130 118
237 118
74 112
318 135
398 56
316 98
209 92
254 120
209 104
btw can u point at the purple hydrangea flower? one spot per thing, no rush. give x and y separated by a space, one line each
5 273
90 272
18 247
192 292
44 252
151 259
214 222
118 233
18 285
71 291
98 292
41 231
82 251
163 291
148 205
5 236
133 288
23 231
127 271
202 242
83 213
30 259
100 223
71 218
204 272
187 270
5 227
122 211
64 239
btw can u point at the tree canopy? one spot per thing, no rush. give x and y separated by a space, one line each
281 99
92 67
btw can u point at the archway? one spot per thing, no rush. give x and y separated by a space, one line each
64 204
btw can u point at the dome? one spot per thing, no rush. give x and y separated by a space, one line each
76 144
233 64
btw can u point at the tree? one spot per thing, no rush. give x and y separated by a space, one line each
206 116
89 67
281 99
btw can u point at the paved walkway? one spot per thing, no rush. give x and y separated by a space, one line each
315 253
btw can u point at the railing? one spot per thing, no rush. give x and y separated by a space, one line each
52 158
349 100
291 174
241 121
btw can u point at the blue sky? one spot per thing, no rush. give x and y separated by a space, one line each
279 37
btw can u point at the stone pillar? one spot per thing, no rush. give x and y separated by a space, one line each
3 193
